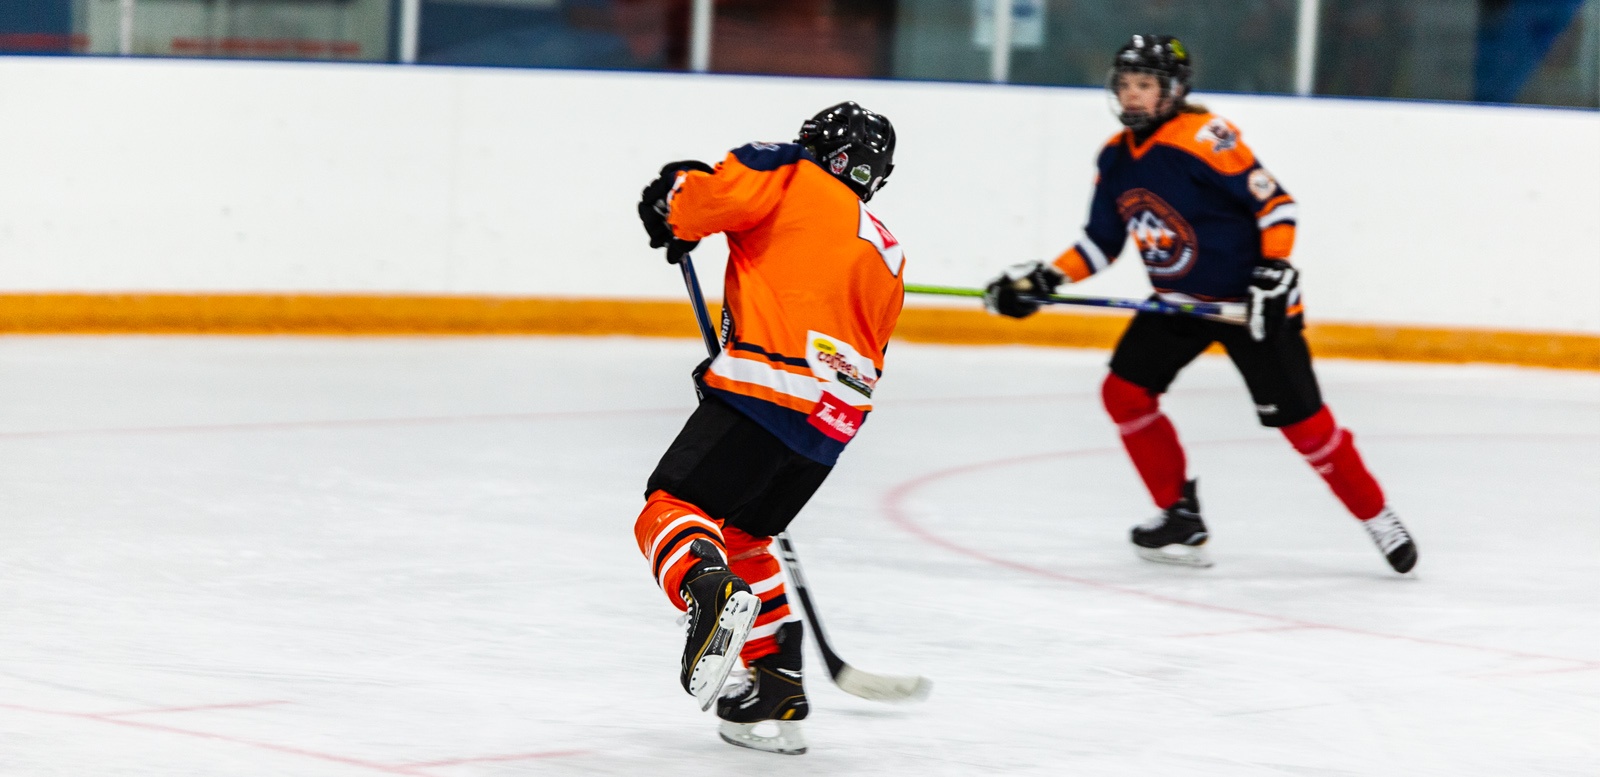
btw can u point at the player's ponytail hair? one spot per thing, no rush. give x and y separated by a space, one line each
1193 108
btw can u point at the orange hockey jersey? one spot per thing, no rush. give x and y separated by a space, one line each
812 293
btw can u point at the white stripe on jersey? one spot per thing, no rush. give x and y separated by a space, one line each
805 387
1285 212
1092 252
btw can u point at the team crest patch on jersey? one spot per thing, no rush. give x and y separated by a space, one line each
1221 136
838 163
1262 184
1165 240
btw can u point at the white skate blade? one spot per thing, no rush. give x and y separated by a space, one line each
1176 555
882 687
788 741
711 671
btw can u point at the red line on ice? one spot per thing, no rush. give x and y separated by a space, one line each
894 509
285 749
496 758
203 707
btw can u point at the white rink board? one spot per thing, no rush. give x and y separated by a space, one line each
331 557
259 177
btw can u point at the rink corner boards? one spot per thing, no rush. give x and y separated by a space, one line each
395 315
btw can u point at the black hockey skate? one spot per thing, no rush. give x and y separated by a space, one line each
771 691
721 612
1177 535
1393 541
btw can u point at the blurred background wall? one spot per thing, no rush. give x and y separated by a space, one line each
207 176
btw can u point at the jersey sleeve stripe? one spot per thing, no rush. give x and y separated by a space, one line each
1091 252
1286 212
1277 241
1072 264
1273 204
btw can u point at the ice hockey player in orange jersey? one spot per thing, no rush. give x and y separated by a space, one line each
812 294
1211 224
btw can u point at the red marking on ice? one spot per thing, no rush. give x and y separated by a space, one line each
199 708
284 426
897 515
496 758
1534 672
1262 630
285 749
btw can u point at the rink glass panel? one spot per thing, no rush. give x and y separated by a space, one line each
1540 52
587 34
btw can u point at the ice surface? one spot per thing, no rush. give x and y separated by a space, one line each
312 557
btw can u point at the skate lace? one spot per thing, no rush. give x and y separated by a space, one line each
738 683
1387 532
1157 522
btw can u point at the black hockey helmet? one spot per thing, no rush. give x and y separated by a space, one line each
854 144
1162 56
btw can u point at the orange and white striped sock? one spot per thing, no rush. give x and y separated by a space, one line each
751 558
665 529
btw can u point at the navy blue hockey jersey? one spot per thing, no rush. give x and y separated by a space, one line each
1200 209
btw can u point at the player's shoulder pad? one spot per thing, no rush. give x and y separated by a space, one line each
1211 139
765 157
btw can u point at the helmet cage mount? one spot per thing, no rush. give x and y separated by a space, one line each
855 146
1172 97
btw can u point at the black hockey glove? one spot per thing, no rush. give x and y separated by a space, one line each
1272 283
1016 291
698 375
653 209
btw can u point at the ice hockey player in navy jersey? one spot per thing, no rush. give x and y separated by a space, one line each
1211 224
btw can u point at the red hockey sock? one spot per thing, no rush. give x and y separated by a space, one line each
1331 451
1150 438
665 530
751 558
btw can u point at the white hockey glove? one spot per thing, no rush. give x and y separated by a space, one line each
1016 291
1272 283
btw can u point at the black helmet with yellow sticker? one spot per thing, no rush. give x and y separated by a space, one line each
1166 59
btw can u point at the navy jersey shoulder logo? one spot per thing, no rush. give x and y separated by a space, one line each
769 156
1165 239
1219 135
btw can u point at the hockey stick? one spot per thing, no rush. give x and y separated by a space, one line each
876 687
1228 312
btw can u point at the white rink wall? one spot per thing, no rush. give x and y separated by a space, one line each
183 176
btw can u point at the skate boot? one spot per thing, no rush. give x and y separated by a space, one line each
1392 539
1176 535
721 612
770 691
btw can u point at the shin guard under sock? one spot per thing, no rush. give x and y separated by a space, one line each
1150 438
1331 451
664 530
751 558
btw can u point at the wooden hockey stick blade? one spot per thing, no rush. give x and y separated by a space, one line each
894 689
